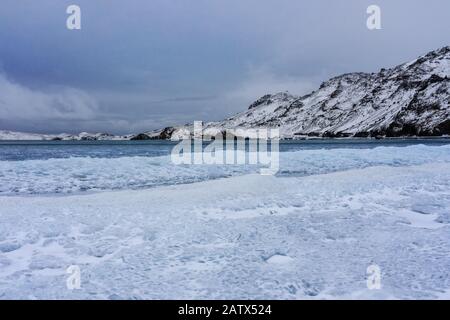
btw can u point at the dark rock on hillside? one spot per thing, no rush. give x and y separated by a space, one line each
141 136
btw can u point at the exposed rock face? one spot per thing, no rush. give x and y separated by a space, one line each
408 100
141 136
166 133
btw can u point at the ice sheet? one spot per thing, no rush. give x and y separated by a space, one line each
252 236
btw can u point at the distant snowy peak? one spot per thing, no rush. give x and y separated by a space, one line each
84 136
11 135
435 62
270 99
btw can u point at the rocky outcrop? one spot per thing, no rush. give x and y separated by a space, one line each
140 136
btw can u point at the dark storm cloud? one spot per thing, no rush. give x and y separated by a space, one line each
138 65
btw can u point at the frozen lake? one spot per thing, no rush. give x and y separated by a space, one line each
139 227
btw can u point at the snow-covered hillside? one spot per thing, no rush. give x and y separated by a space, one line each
12 135
407 100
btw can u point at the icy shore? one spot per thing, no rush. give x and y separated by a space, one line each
250 236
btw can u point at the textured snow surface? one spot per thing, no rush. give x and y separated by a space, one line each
252 236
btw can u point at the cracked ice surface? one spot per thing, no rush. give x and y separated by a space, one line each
80 174
250 236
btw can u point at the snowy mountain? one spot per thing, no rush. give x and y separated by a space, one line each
84 136
407 100
11 135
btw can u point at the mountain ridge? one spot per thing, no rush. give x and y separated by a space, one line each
411 99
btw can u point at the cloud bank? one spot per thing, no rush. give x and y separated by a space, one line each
137 65
18 102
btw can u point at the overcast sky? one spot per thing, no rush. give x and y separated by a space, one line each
137 65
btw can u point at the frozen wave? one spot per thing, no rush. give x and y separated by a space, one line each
77 174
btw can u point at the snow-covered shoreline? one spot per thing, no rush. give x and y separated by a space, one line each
239 237
83 136
11 136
